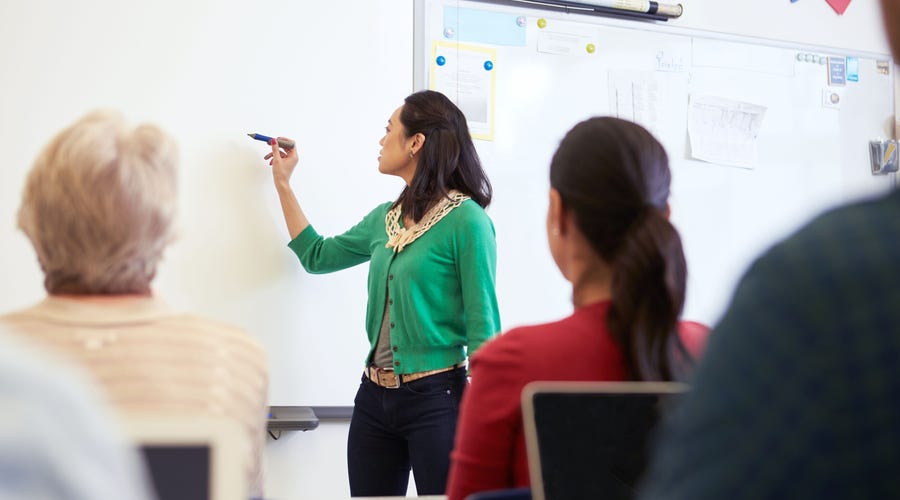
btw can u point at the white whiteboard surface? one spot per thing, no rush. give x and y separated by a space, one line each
328 74
804 22
810 156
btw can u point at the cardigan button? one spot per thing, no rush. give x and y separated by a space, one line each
392 324
390 276
396 348
396 363
391 301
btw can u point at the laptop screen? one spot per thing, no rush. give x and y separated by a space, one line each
179 472
192 458
590 439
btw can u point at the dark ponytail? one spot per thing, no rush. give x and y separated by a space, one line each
447 160
648 284
614 176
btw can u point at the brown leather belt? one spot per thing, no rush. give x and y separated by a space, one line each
388 379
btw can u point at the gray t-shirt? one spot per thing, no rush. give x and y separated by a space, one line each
383 357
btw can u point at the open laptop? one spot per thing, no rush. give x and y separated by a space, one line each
192 458
589 440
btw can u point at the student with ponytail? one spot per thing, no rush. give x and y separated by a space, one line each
610 236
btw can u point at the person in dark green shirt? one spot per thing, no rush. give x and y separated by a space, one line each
432 260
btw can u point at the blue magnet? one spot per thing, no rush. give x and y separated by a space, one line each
440 60
488 65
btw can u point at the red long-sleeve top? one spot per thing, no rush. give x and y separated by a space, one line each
489 452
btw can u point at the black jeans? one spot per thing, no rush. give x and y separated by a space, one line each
394 429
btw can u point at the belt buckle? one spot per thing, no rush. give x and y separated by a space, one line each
387 379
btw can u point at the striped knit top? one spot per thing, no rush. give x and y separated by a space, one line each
151 360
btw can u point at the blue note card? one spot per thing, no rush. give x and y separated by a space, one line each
852 69
483 26
837 71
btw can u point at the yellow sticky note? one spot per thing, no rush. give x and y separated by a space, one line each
888 153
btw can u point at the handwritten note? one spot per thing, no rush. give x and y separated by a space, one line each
635 96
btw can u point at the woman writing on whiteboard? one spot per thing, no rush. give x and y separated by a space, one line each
432 256
610 236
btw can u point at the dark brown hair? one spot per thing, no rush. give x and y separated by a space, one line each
447 160
614 176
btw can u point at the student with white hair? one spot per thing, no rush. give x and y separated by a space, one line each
98 207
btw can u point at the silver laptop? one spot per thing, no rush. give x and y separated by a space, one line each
590 440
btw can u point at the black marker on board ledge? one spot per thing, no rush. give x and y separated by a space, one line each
285 143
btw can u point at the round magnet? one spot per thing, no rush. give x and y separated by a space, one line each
591 48
542 23
488 65
441 60
448 32
521 21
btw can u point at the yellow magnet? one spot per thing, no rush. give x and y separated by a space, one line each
542 23
591 48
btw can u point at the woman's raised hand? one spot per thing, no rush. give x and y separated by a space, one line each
283 161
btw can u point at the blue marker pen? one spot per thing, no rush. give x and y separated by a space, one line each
285 143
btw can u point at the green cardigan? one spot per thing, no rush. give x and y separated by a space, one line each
441 285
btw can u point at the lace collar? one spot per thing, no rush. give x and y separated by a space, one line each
400 237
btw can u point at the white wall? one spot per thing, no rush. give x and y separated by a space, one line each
327 73
309 465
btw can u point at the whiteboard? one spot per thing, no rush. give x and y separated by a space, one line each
810 154
328 74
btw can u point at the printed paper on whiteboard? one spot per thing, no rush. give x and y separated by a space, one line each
724 131
465 74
